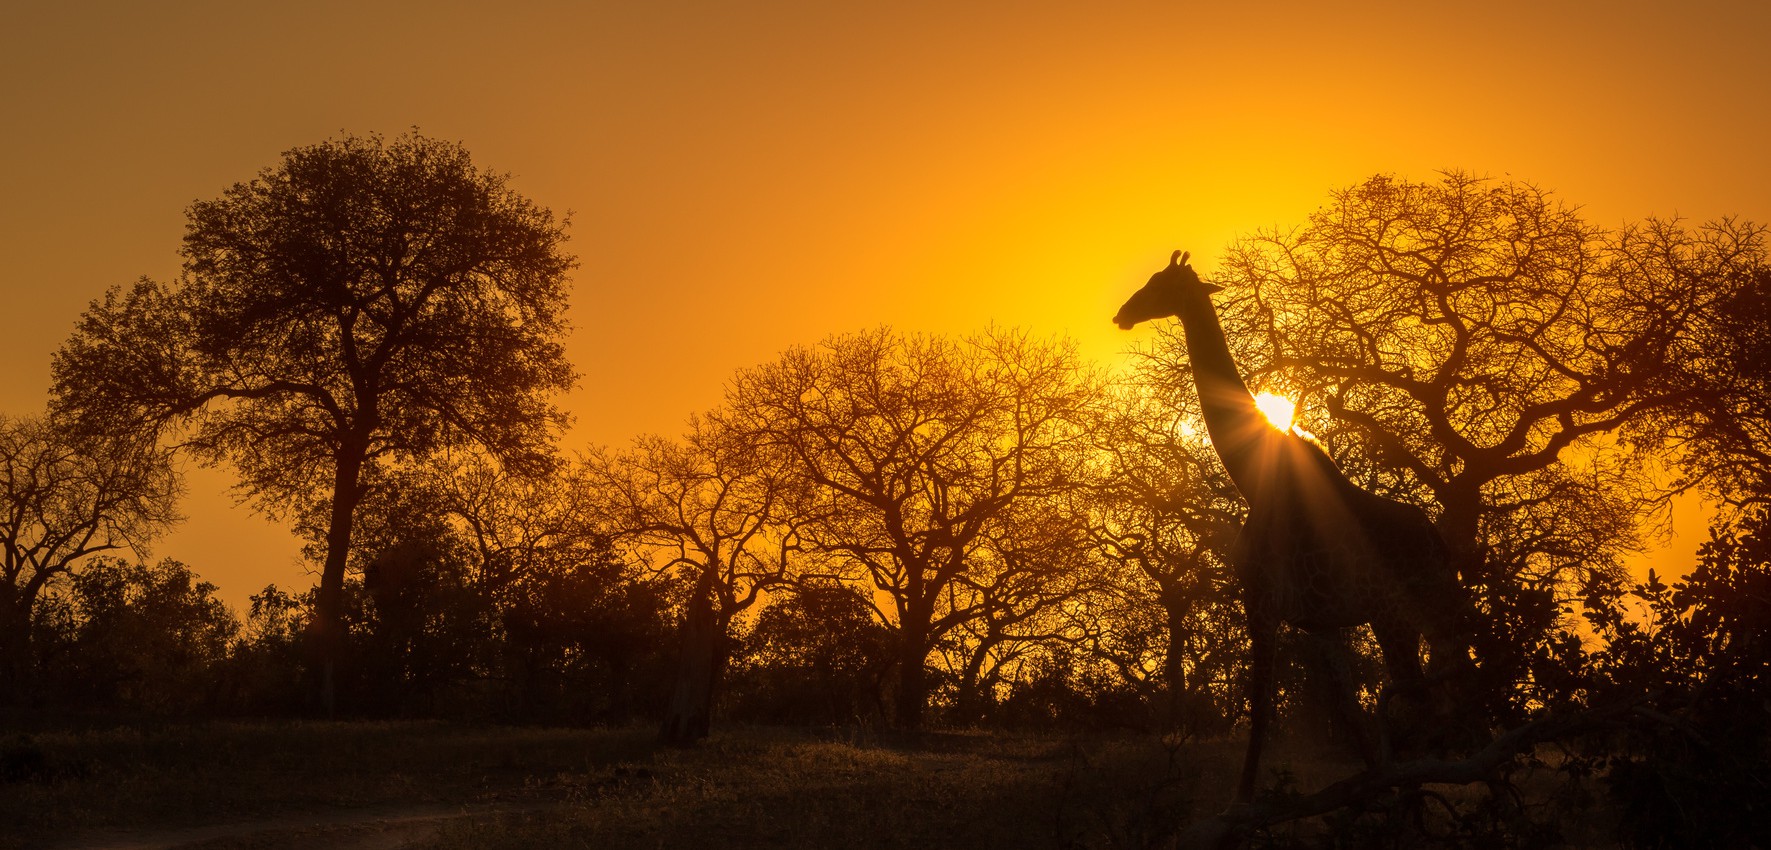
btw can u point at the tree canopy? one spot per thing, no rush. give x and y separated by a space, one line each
365 302
935 469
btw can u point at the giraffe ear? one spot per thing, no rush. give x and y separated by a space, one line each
1211 287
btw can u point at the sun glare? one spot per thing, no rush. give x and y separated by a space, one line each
1278 409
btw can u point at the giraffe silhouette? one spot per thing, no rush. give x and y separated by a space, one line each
1316 552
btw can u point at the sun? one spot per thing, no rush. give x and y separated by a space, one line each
1278 409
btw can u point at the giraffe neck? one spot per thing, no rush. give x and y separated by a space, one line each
1236 425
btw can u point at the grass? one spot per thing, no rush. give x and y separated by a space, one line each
754 788
746 787
169 776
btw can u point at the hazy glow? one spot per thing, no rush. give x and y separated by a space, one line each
1278 409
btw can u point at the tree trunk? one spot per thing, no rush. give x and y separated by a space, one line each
974 700
328 626
913 682
689 716
1174 670
15 644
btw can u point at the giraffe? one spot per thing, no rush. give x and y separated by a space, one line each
1316 552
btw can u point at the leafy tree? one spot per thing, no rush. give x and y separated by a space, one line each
364 302
588 640
583 629
1691 772
815 655
141 637
264 665
64 498
918 456
1477 346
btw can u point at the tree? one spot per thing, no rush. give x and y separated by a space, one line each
1697 652
1477 346
1163 517
919 453
1721 359
141 637
712 506
583 627
65 497
364 302
815 655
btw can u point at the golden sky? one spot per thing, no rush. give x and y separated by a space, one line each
747 176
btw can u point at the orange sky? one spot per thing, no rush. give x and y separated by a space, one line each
748 176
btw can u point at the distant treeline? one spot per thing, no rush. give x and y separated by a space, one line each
882 527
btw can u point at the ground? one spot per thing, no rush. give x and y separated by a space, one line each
282 786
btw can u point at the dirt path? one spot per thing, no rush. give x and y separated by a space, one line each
376 828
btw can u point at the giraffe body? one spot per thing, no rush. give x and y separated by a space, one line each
1316 552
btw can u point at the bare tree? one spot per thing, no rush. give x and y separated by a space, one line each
65 497
1720 363
366 301
1477 346
919 454
518 521
1163 517
713 506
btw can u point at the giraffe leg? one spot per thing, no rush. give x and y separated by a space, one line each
1262 637
1456 687
1406 690
1331 660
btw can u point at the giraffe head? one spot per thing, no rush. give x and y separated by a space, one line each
1161 297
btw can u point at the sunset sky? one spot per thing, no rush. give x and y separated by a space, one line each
744 177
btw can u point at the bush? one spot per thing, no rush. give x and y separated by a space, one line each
124 636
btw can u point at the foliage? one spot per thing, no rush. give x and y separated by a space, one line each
365 302
134 637
589 641
264 665
1696 774
65 498
814 655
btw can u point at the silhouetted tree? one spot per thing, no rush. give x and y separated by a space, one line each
1163 517
815 655
588 640
918 455
264 664
1474 345
364 302
710 507
138 638
583 628
517 521
1721 360
63 498
1698 651
1035 566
